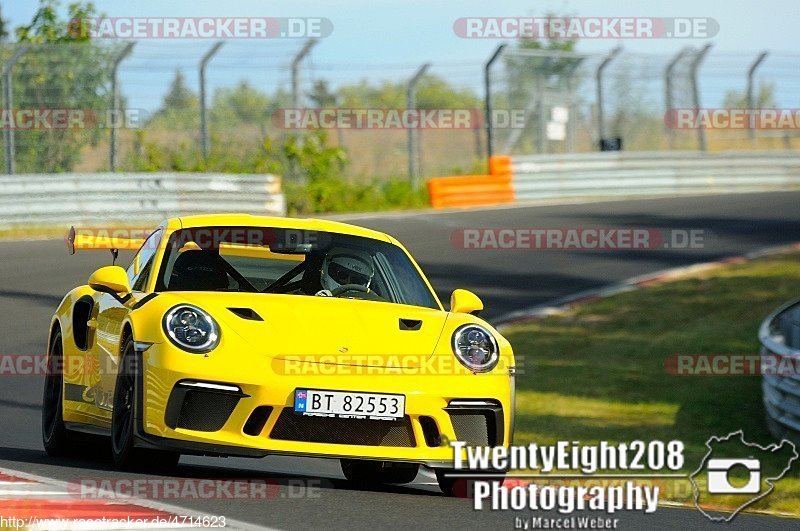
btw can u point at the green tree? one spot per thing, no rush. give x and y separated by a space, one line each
180 108
433 92
322 95
3 28
241 104
764 98
180 97
63 70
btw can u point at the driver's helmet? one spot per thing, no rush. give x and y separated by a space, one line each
346 266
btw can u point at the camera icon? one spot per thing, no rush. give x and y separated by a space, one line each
719 482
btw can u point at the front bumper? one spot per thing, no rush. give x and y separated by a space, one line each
258 419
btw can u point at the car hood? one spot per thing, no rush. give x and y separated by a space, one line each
327 329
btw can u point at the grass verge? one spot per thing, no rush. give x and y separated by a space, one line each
597 372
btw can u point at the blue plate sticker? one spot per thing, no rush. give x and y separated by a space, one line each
300 396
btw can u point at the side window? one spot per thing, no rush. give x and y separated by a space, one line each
139 270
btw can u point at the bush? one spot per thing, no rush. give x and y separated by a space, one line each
313 171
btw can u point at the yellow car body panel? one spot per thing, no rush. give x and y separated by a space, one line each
303 342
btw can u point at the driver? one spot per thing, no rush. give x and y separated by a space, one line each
345 266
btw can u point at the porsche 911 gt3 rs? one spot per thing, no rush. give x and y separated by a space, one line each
238 335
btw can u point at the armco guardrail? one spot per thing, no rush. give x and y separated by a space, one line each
58 198
613 174
780 337
644 173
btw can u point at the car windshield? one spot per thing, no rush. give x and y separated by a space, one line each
290 261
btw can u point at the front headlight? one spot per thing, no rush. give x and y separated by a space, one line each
192 329
476 348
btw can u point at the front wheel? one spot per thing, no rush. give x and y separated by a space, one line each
126 455
371 473
54 434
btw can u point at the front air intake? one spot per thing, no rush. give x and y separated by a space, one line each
477 422
201 406
361 432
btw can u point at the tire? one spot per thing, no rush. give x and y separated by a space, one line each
459 487
55 437
126 455
371 473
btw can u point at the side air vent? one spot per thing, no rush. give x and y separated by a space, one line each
410 324
246 313
81 313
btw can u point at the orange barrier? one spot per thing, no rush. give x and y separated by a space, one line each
470 190
474 190
500 165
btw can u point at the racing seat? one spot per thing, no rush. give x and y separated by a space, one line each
199 270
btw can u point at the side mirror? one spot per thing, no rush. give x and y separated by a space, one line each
463 301
112 280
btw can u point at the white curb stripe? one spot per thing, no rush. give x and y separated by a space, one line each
149 504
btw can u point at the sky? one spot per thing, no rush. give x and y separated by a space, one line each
388 39
374 31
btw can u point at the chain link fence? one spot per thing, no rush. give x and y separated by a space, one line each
212 106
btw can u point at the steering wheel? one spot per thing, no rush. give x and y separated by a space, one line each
349 287
355 287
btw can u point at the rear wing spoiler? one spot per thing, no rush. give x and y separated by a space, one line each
111 241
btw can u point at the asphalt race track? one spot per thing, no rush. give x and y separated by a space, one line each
36 274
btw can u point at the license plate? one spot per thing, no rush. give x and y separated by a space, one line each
344 404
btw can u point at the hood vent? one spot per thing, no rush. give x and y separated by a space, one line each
246 313
410 324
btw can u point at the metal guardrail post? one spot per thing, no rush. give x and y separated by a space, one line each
413 133
203 109
698 59
112 147
601 131
668 90
304 51
750 96
8 133
487 81
569 76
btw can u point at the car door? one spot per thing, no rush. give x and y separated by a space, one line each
110 318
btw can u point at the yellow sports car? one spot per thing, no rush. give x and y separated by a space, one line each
238 335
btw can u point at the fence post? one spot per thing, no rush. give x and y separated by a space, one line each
751 72
668 91
411 103
487 82
112 146
599 77
698 58
569 80
8 133
203 109
304 51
